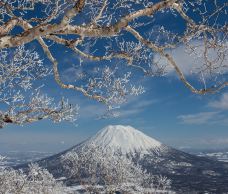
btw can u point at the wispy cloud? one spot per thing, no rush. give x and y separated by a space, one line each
215 141
191 60
221 103
136 106
199 118
216 115
201 142
131 108
72 74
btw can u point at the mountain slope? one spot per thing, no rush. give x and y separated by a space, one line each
189 173
125 138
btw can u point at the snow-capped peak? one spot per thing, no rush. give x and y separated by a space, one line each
125 138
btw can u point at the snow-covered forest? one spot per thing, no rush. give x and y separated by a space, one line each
92 170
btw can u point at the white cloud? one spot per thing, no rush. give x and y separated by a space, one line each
191 59
217 115
199 118
222 103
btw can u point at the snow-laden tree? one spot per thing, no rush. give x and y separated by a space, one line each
36 181
98 170
110 42
21 100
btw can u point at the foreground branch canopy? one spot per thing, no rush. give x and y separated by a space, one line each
107 44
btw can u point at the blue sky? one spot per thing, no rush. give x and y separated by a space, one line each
168 111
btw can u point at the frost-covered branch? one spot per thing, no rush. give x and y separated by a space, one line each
114 42
20 102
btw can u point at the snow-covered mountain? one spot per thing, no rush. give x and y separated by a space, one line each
188 173
124 138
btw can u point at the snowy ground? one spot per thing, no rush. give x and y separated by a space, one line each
14 158
219 154
81 189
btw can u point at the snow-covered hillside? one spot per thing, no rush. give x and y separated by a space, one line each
125 138
188 173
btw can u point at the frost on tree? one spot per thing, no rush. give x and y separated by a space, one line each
36 181
19 68
110 44
103 171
